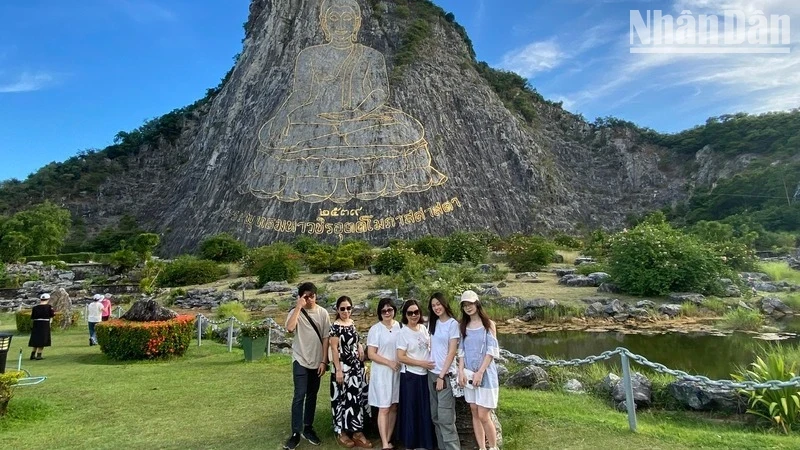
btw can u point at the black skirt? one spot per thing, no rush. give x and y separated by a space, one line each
40 334
414 424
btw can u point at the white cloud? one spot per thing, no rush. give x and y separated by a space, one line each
534 58
747 82
27 82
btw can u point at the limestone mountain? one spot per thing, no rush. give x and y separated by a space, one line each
371 119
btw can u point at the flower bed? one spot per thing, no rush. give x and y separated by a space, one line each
25 323
126 340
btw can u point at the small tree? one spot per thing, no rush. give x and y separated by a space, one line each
222 248
144 244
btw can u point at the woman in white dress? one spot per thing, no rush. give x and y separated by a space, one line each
477 370
384 382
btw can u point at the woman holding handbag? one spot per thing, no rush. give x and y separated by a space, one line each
348 379
384 380
476 367
445 335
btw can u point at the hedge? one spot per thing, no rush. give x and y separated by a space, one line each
125 340
25 323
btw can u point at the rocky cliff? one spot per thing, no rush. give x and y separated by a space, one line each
318 130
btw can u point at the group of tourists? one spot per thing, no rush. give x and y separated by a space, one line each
417 370
99 310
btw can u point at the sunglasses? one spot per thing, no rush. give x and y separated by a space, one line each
387 311
414 312
345 308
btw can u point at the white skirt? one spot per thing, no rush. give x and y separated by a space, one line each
486 397
384 386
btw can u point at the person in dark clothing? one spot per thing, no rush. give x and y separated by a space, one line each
41 315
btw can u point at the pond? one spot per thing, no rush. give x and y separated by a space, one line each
698 354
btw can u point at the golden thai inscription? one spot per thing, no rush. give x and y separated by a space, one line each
363 224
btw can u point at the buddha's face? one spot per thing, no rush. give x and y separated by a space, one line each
341 22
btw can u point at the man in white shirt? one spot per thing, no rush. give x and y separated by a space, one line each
94 316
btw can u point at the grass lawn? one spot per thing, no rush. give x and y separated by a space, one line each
212 399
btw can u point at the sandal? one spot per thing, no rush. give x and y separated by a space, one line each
361 441
345 441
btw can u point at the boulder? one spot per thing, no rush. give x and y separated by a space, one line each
577 281
275 286
584 260
646 304
730 289
639 313
526 276
700 397
596 309
763 286
683 297
353 276
562 272
755 276
384 293
337 276
642 390
507 302
670 310
609 288
614 307
148 310
773 306
574 386
599 277
607 383
491 291
528 377
486 268
537 303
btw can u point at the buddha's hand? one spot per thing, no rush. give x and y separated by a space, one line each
338 116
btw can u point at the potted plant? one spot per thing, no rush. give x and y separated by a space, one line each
254 340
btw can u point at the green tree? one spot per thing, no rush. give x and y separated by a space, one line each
222 247
38 230
144 244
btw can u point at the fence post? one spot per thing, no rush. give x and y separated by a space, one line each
199 330
628 386
269 337
230 334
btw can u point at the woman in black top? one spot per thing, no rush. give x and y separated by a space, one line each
41 315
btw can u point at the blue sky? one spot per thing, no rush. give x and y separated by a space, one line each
75 72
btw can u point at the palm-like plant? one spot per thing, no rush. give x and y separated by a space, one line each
781 407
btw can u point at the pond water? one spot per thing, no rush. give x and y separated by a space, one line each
698 354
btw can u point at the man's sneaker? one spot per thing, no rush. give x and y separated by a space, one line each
311 437
293 442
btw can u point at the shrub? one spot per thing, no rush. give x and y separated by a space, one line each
359 252
529 253
655 259
234 309
25 323
567 242
123 260
305 244
222 248
432 246
7 382
392 260
742 319
187 270
780 407
586 269
597 244
254 331
462 247
126 340
276 262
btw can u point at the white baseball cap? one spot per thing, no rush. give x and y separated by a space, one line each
97 297
45 296
469 297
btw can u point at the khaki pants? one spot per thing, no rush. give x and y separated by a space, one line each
443 413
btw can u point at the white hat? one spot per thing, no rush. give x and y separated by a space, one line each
45 296
97 297
107 295
469 297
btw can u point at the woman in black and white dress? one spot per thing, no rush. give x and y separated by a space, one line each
41 315
348 379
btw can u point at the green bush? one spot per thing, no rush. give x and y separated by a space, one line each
655 259
462 247
25 323
124 260
234 309
126 340
222 248
305 244
360 252
597 244
779 407
742 319
529 253
432 246
586 269
276 262
188 270
567 242
392 260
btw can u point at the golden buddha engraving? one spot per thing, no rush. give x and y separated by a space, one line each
335 138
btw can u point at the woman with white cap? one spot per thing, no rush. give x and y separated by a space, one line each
477 371
41 315
94 316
